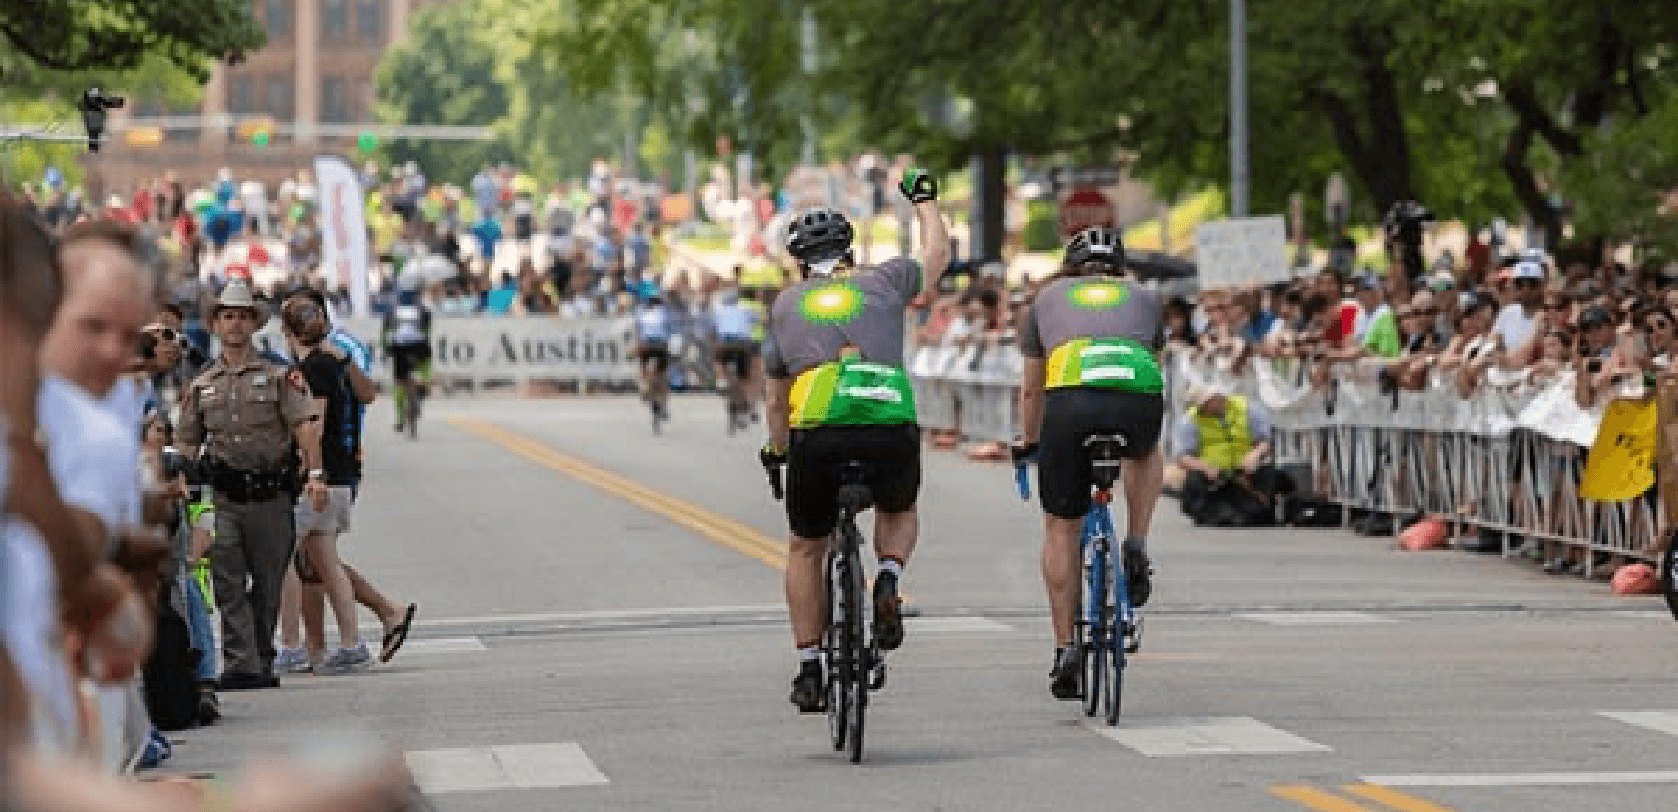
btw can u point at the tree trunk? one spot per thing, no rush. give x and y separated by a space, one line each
989 199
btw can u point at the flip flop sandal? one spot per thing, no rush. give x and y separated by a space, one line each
397 635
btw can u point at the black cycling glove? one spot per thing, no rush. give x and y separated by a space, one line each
918 185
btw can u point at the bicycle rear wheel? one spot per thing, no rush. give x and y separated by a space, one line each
856 654
834 643
1115 630
1094 626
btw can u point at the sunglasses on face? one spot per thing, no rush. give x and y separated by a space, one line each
237 315
1656 324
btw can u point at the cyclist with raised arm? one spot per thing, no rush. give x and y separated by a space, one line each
838 392
1090 341
407 340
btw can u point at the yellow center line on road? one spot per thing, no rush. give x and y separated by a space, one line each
1394 798
720 529
1313 798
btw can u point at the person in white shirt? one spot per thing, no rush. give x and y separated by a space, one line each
1518 320
92 448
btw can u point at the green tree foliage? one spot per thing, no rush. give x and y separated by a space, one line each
443 72
82 35
1625 185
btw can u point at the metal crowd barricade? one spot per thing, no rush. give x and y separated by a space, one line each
1470 460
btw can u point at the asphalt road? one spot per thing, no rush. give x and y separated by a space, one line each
601 627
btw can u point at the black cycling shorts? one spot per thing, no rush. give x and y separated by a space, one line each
738 355
892 455
1069 416
407 358
657 354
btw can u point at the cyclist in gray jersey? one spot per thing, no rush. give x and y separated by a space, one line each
838 392
1090 341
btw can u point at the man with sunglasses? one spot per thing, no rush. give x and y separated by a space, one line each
1517 322
1090 341
243 415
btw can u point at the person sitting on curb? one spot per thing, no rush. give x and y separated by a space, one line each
1223 443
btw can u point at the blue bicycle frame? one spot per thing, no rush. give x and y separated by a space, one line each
1106 638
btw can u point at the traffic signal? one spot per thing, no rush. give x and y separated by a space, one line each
143 136
256 130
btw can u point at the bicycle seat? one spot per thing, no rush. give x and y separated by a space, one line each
1105 452
854 494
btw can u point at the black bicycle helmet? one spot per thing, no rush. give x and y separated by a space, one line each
819 234
1095 245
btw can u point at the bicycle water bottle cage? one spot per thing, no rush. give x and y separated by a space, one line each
1106 454
854 495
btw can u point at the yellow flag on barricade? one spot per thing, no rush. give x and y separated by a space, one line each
1622 461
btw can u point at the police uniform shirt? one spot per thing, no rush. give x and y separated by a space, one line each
245 413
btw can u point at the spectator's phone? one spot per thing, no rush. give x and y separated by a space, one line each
1593 366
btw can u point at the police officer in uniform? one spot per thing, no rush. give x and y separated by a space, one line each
246 413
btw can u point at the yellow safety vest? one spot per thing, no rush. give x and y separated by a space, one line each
1223 443
759 325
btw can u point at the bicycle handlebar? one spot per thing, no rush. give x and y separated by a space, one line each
1022 479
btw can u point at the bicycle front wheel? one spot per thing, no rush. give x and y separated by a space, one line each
1115 630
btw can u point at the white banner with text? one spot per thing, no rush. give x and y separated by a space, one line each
522 348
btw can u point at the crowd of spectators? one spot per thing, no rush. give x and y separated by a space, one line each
95 540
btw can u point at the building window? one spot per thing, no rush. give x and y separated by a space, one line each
336 103
278 16
334 19
279 99
241 95
370 20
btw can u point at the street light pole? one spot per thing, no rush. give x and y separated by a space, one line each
1239 176
809 59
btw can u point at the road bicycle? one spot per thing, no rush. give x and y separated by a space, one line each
1108 628
851 663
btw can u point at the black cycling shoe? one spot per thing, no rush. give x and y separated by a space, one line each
809 689
888 613
1138 572
1068 670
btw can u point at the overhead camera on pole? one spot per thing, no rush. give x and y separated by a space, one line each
1403 225
93 105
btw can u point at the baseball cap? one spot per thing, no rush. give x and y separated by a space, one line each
1442 281
1528 270
1595 316
1200 393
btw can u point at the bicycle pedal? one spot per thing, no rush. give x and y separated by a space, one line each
877 676
1133 637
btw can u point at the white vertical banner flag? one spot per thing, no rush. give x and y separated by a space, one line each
343 222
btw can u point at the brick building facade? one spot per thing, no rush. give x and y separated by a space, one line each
317 68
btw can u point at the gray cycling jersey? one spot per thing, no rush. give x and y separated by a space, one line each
816 318
1091 307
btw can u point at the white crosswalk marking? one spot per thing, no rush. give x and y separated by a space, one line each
503 767
1314 618
1228 735
953 625
1663 721
443 645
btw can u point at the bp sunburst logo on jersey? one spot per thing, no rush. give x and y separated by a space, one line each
1095 295
832 303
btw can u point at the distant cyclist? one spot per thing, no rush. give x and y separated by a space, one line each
838 392
735 327
1090 342
653 329
407 339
